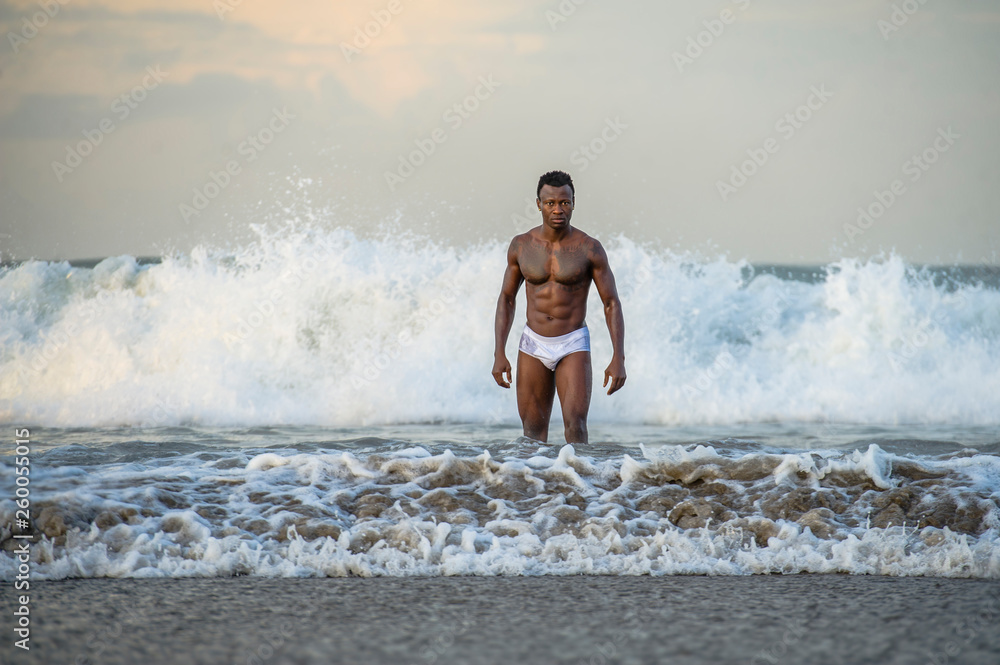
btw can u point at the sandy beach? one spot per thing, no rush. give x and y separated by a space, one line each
580 619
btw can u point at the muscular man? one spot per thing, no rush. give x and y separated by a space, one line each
559 262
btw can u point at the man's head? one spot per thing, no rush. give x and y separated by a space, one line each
555 199
554 179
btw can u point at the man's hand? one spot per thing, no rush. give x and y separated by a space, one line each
615 373
500 367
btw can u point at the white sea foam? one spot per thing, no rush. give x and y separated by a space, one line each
435 512
308 326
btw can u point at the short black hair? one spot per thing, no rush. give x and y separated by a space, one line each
555 179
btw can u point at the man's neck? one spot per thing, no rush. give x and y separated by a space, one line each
555 235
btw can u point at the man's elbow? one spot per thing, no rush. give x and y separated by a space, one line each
612 305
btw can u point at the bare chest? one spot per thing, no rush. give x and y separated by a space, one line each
566 265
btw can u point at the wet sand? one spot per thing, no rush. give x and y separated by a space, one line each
585 619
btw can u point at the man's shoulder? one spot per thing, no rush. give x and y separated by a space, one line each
586 240
522 238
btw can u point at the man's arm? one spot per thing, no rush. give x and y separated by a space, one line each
604 279
512 280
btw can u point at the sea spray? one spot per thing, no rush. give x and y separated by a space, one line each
308 326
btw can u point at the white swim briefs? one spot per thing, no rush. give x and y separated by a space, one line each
550 350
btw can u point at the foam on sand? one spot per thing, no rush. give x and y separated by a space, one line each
415 511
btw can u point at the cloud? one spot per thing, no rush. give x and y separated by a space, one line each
46 116
59 116
90 49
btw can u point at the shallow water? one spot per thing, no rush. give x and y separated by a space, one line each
468 500
317 403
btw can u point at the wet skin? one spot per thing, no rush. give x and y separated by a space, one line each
558 263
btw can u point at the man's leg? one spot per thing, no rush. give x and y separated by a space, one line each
535 390
574 377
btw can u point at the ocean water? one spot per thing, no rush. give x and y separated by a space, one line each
320 404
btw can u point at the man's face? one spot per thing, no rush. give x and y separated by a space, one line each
556 204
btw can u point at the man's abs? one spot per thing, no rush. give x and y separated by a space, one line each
557 309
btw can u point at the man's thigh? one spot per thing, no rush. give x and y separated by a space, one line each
535 385
574 379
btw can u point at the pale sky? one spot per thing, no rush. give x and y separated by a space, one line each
116 117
